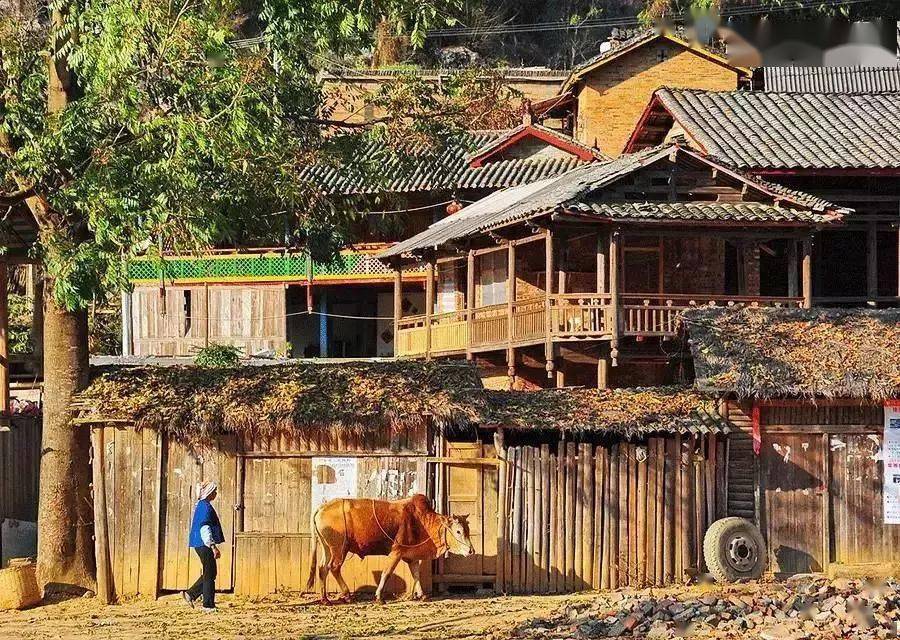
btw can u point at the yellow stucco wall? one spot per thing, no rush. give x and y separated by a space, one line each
612 98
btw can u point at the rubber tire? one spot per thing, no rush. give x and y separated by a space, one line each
715 549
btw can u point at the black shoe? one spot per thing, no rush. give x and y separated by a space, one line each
187 598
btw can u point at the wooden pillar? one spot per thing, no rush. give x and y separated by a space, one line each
548 320
323 323
127 342
4 338
502 542
614 295
101 527
602 245
398 302
872 262
429 303
793 282
510 309
807 273
470 301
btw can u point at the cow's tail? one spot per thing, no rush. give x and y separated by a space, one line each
313 560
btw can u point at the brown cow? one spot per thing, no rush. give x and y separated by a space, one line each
408 530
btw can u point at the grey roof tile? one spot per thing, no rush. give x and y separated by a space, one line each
851 79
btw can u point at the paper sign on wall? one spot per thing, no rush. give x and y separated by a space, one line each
891 454
333 478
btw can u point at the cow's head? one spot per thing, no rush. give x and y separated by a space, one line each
457 536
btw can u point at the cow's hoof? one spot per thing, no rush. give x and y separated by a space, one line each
324 602
379 600
423 597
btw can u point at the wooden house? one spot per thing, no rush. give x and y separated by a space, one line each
811 397
843 147
564 489
570 275
611 90
261 299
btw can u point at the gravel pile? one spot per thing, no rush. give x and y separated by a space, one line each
805 607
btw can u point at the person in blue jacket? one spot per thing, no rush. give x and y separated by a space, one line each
206 534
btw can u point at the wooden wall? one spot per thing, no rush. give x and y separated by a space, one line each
190 317
608 515
20 458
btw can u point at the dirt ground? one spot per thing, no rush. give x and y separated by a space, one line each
170 617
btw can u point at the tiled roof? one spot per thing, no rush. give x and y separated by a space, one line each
832 79
572 192
555 138
771 353
760 130
509 73
747 212
451 170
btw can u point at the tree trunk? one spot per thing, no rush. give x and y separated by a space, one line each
65 511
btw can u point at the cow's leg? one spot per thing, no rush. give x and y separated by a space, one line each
416 592
323 573
337 561
393 560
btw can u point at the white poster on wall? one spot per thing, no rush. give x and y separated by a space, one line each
891 454
334 478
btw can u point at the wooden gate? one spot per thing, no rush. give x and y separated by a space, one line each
471 474
794 479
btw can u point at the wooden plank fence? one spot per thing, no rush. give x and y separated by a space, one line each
604 516
20 459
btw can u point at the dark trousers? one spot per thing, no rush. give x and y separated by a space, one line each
206 583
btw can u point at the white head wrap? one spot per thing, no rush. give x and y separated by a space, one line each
205 488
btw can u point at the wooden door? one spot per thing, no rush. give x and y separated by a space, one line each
183 469
794 480
472 491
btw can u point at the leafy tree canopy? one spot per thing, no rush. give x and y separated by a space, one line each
188 121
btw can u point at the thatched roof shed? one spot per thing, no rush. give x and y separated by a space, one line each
768 353
623 412
194 403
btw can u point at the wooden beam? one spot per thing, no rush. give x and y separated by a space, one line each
614 295
510 306
548 281
807 273
429 303
470 300
398 301
4 339
793 281
872 260
101 531
500 450
602 245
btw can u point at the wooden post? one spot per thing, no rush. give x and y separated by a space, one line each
602 244
429 303
398 303
548 329
502 542
807 273
793 281
127 342
510 309
872 262
101 530
470 301
614 295
4 339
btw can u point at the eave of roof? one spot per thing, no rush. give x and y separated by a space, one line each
639 41
549 136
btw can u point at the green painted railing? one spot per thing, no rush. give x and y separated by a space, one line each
358 264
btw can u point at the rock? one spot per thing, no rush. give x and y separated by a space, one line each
630 622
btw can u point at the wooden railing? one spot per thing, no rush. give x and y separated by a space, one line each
489 325
650 315
529 319
572 316
581 315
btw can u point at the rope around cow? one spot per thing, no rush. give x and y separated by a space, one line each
443 544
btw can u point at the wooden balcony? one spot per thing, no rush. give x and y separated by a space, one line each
572 316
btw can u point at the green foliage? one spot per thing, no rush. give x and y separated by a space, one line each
218 355
178 132
105 330
20 311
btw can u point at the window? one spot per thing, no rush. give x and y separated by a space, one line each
492 278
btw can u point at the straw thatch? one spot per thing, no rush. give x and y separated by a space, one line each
767 353
623 412
193 403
